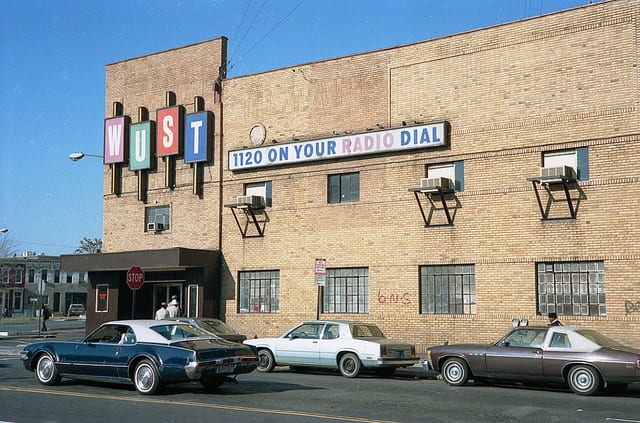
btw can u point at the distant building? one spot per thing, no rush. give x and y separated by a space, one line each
21 280
439 189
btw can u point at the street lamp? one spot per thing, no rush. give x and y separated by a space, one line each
77 156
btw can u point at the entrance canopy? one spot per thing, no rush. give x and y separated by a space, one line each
169 258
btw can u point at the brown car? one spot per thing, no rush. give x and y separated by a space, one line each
582 358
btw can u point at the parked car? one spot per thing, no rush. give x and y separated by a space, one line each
347 346
75 310
581 358
215 326
146 353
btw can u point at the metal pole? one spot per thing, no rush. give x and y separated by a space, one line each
133 305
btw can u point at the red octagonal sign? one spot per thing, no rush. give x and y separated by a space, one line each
135 277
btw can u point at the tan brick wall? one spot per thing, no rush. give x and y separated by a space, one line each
195 220
510 93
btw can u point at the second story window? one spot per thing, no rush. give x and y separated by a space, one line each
157 219
344 188
454 172
56 276
32 276
261 189
43 275
577 160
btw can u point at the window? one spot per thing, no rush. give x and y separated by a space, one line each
344 188
453 171
81 277
571 288
32 276
577 159
102 298
4 275
448 289
346 291
69 277
17 300
262 189
259 291
157 215
56 276
43 275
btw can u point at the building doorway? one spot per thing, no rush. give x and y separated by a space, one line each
164 292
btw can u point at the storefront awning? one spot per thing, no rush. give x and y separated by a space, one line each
169 258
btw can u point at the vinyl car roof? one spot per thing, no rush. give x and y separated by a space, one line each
143 329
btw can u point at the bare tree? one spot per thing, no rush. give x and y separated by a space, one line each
8 247
89 246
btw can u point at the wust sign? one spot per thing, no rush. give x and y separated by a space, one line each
135 277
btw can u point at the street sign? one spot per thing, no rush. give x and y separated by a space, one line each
321 272
135 278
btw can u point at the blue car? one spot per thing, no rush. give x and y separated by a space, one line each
145 353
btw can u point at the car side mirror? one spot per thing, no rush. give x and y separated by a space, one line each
292 337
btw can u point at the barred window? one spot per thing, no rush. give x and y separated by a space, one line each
259 292
346 291
571 288
448 289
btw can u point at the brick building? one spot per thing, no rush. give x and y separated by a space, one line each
30 280
450 185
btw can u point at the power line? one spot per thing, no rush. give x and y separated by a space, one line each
268 32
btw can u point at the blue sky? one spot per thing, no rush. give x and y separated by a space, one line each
52 78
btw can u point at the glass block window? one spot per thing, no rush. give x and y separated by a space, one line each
449 289
571 288
259 292
346 291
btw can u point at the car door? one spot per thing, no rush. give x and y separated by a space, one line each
518 356
301 346
329 345
96 356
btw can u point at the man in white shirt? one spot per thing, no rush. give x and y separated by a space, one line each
162 312
173 308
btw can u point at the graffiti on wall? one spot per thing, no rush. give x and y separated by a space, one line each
394 298
631 307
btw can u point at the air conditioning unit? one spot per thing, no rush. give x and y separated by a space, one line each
558 172
155 227
435 183
255 201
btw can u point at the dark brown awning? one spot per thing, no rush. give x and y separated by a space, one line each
169 258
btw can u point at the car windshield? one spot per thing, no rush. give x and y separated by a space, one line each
216 326
365 331
599 338
179 332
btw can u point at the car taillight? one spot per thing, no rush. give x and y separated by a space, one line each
383 350
638 364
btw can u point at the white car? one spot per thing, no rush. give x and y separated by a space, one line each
332 344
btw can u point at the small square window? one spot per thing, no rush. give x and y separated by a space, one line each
157 218
343 188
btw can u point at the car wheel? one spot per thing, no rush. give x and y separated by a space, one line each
46 370
212 382
584 380
349 365
146 378
266 362
455 372
386 371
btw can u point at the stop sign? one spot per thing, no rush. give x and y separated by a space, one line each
135 277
